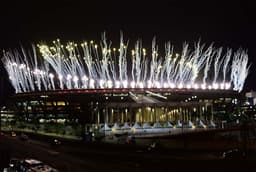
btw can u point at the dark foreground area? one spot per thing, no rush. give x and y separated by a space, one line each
80 156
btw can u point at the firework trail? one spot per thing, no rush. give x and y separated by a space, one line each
90 66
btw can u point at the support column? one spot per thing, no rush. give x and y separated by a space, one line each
126 113
130 116
122 116
142 114
106 115
111 115
211 111
98 115
200 112
166 114
180 114
154 110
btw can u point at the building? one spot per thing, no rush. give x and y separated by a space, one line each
248 107
71 89
75 112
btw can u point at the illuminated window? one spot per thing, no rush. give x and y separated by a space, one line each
48 103
78 107
34 102
61 103
38 108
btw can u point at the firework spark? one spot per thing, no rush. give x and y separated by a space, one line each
90 66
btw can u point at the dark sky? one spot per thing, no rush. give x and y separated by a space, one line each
231 24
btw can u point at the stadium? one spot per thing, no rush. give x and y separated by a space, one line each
73 89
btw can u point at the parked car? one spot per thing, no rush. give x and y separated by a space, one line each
30 165
55 142
234 154
42 168
13 134
14 164
23 137
27 164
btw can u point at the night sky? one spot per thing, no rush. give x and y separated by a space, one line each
231 24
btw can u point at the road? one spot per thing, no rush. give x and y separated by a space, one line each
88 157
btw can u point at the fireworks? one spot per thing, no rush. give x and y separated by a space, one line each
92 66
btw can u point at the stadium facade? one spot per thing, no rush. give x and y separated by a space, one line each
76 112
96 88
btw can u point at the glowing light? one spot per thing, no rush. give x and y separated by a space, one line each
84 78
195 86
22 66
51 75
150 84
222 86
227 86
204 65
36 71
125 84
157 95
75 79
110 84
91 83
180 85
188 86
60 77
172 85
69 77
158 85
101 83
141 85
133 84
203 86
215 86
117 84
